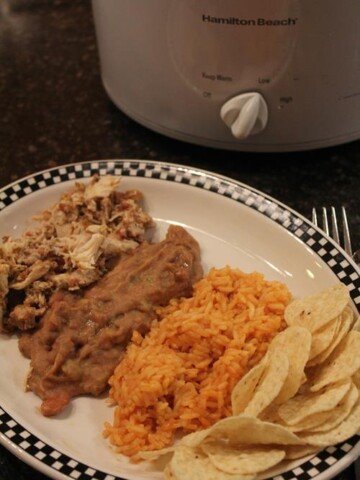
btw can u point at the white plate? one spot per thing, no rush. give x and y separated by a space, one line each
235 225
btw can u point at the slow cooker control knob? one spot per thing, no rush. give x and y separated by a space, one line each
245 114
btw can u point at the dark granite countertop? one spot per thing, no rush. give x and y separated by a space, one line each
54 111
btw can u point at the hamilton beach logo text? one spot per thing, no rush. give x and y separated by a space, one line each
264 22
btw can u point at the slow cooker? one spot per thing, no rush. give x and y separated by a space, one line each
256 75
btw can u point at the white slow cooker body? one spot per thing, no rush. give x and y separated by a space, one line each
172 64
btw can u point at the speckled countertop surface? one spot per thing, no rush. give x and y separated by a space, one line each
53 110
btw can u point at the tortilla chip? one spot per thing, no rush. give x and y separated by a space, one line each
247 430
356 325
342 363
270 414
242 460
270 384
302 406
344 326
356 379
340 412
288 342
196 438
323 421
153 455
168 473
244 390
315 311
311 422
346 429
191 464
322 338
299 451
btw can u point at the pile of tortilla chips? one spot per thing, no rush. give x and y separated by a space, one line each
302 397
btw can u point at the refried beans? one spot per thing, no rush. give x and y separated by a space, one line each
83 336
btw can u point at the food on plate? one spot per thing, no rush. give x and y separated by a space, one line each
327 420
272 424
340 365
344 322
248 461
268 388
283 369
288 342
224 375
179 377
70 248
243 430
243 391
305 405
82 337
315 311
188 464
88 279
346 429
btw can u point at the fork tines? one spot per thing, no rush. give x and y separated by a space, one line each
334 226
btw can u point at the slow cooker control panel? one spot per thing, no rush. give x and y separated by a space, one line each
220 47
245 114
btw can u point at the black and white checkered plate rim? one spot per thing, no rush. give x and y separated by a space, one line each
36 451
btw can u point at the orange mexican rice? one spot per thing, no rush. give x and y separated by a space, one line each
180 376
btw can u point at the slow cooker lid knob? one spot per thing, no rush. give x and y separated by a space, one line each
245 115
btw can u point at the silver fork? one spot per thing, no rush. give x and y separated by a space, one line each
347 247
335 229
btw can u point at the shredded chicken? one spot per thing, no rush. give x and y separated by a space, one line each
70 248
4 288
